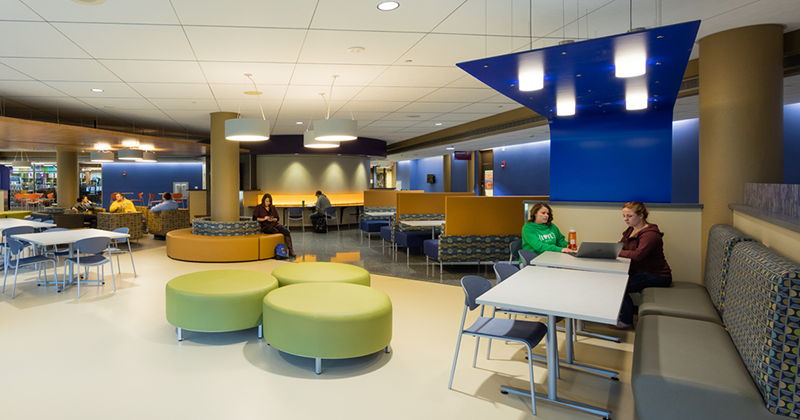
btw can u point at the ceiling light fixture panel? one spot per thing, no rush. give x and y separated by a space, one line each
386 6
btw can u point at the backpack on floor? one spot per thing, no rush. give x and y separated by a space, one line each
280 251
321 225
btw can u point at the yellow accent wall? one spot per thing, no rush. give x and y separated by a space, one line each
415 203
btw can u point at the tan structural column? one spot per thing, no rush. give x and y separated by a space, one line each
224 171
741 116
447 171
67 172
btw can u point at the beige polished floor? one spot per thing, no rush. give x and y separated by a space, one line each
114 356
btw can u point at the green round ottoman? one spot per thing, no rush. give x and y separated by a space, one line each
328 320
317 272
218 300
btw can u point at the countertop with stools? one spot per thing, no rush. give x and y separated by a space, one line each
218 300
321 272
328 320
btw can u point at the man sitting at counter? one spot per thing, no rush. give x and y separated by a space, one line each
167 204
121 205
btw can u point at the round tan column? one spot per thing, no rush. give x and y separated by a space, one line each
741 117
224 171
67 171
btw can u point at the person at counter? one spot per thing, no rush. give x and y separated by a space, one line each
267 214
643 244
319 209
166 204
539 234
121 205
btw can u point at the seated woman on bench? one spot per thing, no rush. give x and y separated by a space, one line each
644 246
267 214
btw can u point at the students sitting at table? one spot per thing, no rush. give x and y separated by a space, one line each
644 246
539 234
267 214
166 204
121 205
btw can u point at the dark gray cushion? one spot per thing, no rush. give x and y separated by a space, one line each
682 300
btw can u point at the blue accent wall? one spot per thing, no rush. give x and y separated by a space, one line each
419 174
459 175
404 174
791 144
153 178
527 170
5 177
686 161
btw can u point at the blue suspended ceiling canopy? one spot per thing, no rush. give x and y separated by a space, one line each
609 103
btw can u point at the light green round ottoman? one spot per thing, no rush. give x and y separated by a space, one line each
328 320
319 272
218 300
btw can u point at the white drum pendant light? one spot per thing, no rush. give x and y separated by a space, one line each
149 156
248 129
334 129
131 155
310 142
102 156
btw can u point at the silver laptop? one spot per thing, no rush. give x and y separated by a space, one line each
599 250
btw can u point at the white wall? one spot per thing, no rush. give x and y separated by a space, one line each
290 174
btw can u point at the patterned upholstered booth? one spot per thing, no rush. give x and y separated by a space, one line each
468 249
161 222
371 224
132 221
693 369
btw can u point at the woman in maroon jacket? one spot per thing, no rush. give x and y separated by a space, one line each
267 214
643 245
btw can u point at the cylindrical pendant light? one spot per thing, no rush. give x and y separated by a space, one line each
335 130
247 129
311 142
149 156
130 154
102 156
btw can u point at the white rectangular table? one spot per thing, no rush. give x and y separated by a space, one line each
560 260
584 295
433 224
8 223
379 213
68 237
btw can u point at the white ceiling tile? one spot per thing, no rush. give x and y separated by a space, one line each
466 81
61 69
173 90
395 93
464 117
392 124
484 108
235 92
133 71
23 88
418 76
84 89
459 94
255 13
196 106
439 107
376 105
310 93
36 39
411 116
233 73
326 47
119 104
142 42
349 74
264 45
411 16
140 11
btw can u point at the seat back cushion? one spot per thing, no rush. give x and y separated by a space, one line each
473 248
721 240
761 305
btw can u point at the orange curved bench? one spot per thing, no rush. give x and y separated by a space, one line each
185 246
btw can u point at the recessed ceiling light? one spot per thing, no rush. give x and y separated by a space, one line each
90 2
438 124
451 148
356 50
299 123
97 90
253 92
386 6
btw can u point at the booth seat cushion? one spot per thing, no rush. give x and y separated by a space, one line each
721 240
218 300
376 209
386 233
411 239
682 299
328 320
474 248
431 248
690 369
161 222
321 272
373 225
132 220
183 245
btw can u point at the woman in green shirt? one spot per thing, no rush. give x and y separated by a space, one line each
539 234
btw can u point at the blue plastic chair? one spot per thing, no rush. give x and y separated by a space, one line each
116 250
330 214
16 247
89 252
296 213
